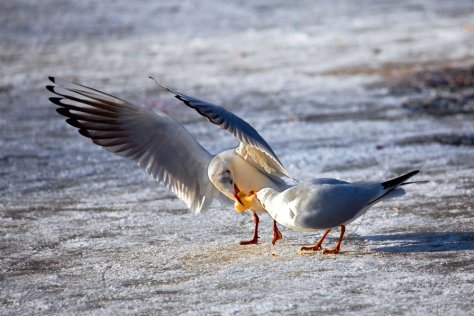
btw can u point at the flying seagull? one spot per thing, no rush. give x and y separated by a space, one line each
167 151
324 204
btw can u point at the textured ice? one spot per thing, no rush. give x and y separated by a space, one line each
85 232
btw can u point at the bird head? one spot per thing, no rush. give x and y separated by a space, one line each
220 173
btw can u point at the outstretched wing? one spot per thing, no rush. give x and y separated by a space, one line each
253 147
158 143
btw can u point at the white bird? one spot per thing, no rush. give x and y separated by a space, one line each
168 152
325 204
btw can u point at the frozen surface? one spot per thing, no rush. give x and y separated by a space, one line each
334 88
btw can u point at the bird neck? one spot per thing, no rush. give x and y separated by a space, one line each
249 177
267 197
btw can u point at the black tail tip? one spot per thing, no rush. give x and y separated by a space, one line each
51 78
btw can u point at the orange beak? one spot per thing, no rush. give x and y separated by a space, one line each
236 192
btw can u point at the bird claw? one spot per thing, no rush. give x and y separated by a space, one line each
276 237
250 242
254 240
312 248
331 251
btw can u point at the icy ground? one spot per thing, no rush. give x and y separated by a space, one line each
348 89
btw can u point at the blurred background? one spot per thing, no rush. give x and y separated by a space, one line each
360 90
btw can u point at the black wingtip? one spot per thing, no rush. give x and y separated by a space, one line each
73 122
397 181
161 85
84 133
50 89
63 112
52 79
156 81
56 100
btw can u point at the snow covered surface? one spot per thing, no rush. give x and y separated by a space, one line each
85 232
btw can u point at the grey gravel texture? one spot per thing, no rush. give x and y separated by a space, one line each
350 90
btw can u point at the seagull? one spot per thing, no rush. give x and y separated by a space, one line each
324 204
169 153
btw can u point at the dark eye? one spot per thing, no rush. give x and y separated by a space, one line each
228 176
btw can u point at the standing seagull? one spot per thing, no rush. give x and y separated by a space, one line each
325 204
168 152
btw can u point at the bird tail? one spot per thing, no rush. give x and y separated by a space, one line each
414 182
391 185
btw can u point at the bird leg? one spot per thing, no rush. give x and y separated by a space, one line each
276 233
318 244
338 245
254 240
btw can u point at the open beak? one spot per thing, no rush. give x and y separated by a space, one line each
237 191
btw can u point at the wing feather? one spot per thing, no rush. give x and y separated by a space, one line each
158 143
253 147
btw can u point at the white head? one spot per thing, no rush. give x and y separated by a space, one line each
220 173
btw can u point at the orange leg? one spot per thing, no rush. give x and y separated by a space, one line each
338 245
276 233
254 240
318 244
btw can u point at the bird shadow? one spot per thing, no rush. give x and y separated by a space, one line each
424 242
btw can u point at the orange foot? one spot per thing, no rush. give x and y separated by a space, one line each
312 248
331 251
318 244
276 233
254 240
338 245
249 242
